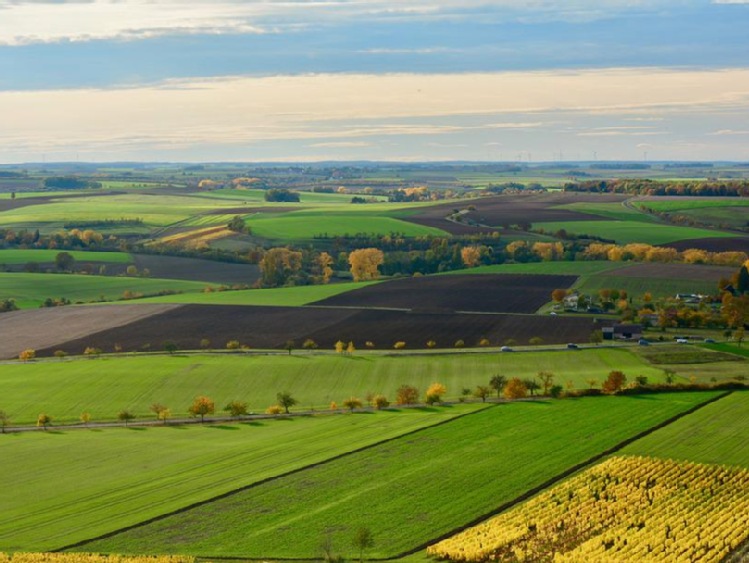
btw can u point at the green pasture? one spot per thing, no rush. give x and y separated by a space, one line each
408 491
132 185
209 220
705 363
728 348
685 204
73 485
628 231
281 297
305 197
305 225
636 287
154 210
30 290
106 385
617 211
24 256
715 434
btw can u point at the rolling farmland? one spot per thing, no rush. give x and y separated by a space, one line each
259 523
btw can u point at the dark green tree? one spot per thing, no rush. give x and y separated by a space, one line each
286 401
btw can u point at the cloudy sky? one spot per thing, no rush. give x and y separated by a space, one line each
303 80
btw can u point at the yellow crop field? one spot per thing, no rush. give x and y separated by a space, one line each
89 558
624 509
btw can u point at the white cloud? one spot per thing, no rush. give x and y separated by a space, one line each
361 111
38 21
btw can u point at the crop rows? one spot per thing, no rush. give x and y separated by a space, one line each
624 509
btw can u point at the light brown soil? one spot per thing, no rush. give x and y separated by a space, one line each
46 328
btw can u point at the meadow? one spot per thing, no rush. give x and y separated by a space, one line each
624 232
410 490
30 290
44 256
117 477
715 434
106 385
281 296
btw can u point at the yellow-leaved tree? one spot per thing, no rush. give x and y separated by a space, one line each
435 392
365 263
470 256
515 389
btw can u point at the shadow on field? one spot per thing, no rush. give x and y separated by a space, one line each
55 432
177 426
223 427
137 428
253 423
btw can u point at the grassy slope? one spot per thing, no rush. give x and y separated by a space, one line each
43 255
610 211
684 204
631 231
283 296
64 389
637 287
86 483
411 490
308 224
30 290
716 434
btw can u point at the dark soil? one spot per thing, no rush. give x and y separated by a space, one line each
272 327
511 209
739 244
475 293
210 271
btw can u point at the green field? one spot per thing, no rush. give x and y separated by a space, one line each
305 225
716 434
408 491
636 287
48 256
69 486
104 386
281 296
624 232
616 211
684 204
30 290
155 211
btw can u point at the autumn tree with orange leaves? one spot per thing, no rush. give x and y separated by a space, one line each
365 263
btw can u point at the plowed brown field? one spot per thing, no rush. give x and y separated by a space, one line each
272 327
483 293
511 209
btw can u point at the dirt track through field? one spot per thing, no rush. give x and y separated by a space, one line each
47 328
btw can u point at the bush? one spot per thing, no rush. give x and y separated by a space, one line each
407 395
273 409
232 345
556 391
399 345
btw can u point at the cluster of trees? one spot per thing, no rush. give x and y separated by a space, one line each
64 239
8 305
641 252
281 195
653 187
69 183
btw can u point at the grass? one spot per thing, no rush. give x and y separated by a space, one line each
624 232
48 256
282 296
616 211
714 434
408 491
684 204
636 287
30 290
305 225
728 348
69 486
64 389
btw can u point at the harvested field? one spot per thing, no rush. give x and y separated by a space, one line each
509 293
272 327
512 209
177 268
48 328
694 272
738 244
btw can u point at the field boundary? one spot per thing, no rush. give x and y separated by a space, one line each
264 481
559 477
502 508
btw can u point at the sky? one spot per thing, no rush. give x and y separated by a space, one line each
405 80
